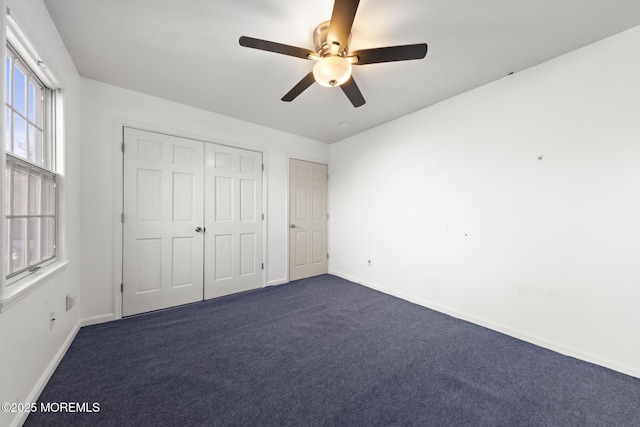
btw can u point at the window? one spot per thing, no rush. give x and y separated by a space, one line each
30 193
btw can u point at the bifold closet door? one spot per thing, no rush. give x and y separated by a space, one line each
192 221
233 219
163 207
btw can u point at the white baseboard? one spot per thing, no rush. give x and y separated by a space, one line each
277 282
94 320
46 375
504 329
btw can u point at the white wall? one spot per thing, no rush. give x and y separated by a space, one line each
456 211
106 108
29 350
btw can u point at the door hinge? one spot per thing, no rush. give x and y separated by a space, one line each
121 287
263 217
263 167
327 215
122 147
327 256
263 265
122 217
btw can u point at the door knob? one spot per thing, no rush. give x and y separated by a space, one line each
292 226
199 229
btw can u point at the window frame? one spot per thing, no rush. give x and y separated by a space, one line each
18 286
31 267
47 115
41 121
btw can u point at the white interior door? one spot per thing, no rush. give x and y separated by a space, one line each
163 205
233 220
308 184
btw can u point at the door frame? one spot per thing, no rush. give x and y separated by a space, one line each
296 156
118 235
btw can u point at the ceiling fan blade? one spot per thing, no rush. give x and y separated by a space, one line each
351 89
389 54
307 81
284 49
344 11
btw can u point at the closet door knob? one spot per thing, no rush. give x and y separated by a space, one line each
199 229
292 226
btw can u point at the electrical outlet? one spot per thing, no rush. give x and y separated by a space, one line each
52 319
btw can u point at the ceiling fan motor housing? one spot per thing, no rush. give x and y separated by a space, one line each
323 47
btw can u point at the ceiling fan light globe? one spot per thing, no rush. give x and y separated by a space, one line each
332 71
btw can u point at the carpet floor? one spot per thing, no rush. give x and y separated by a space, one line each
324 352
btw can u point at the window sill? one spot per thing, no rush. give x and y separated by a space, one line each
24 287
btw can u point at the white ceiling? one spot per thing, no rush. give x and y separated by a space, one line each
187 51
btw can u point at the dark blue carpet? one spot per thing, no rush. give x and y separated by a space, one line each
325 352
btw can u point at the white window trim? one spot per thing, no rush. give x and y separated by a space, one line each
29 54
25 286
12 291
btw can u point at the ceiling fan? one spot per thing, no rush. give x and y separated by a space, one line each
332 55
